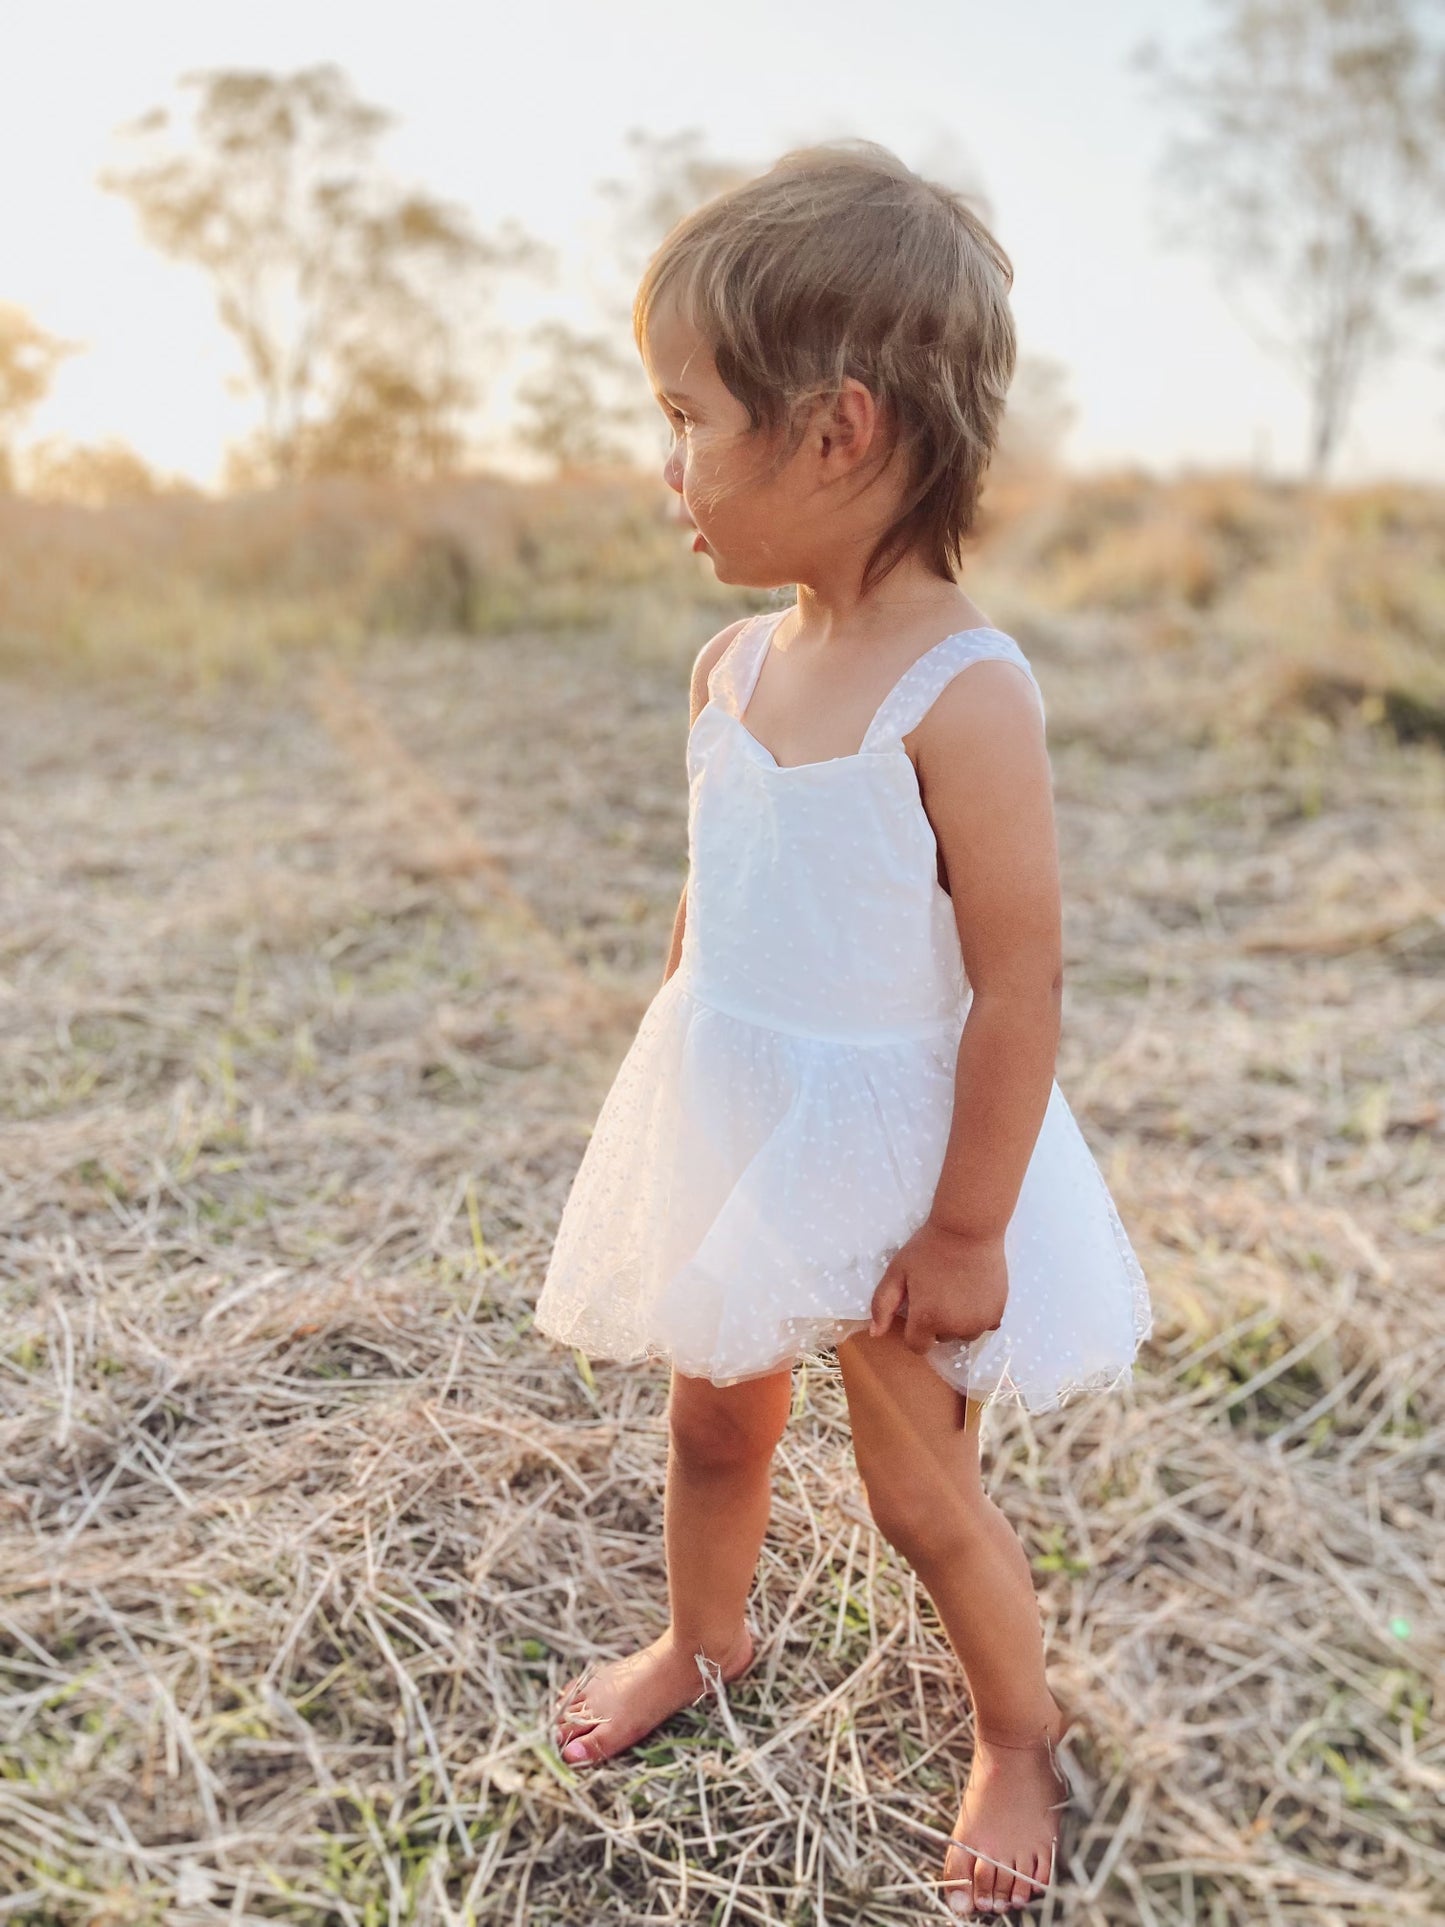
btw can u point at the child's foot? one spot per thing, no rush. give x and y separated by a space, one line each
615 1705
1009 1816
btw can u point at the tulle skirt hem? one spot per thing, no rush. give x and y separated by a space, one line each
744 1189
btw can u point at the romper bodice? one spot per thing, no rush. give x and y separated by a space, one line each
813 901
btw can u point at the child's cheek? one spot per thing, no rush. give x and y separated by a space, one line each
695 474
707 459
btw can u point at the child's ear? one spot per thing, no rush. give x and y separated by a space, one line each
849 421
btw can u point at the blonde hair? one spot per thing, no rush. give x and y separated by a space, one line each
841 261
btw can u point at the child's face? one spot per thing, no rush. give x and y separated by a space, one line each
717 464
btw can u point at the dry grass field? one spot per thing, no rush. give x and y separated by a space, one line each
318 947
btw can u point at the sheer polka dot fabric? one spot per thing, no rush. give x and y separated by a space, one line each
777 1127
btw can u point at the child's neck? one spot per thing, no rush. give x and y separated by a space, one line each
910 601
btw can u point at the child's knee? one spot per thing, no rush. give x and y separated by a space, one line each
926 1519
712 1432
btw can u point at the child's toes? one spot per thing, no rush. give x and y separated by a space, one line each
1026 1886
584 1747
958 1872
570 1709
999 1900
576 1720
586 1738
578 1726
983 1887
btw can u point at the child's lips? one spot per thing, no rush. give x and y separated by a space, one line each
699 541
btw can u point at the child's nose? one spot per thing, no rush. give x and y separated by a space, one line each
672 471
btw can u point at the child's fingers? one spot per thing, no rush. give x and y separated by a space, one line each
892 1293
918 1332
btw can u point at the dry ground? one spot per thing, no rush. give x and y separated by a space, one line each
309 991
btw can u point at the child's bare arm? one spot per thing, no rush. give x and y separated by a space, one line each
988 793
984 775
702 668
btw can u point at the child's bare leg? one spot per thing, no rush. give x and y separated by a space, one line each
916 1443
715 1513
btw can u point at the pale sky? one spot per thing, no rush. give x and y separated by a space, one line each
517 111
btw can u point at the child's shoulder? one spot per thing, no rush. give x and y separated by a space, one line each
708 658
1000 688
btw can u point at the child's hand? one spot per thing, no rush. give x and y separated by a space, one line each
945 1284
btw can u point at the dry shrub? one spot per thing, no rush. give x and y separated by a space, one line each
1290 601
1287 601
192 583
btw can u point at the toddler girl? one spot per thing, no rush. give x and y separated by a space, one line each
837 1125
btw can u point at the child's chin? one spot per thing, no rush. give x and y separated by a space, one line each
737 574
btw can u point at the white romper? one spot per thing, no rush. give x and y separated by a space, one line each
777 1127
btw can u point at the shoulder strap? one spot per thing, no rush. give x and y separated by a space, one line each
731 678
920 685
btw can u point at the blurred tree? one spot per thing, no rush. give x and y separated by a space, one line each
566 414
353 300
93 474
1318 167
674 175
28 360
588 403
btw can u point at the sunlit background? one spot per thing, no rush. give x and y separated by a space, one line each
518 113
